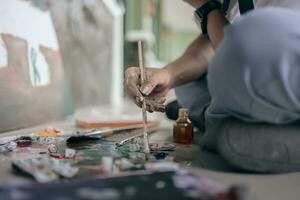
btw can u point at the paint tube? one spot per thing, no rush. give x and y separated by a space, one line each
134 147
7 139
37 167
48 132
107 164
45 140
167 147
23 141
64 169
124 164
70 153
45 169
8 147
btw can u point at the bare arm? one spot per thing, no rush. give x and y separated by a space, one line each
216 22
193 63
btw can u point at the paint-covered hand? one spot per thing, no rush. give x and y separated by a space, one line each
156 86
196 3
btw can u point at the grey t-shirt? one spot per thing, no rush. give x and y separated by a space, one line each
291 4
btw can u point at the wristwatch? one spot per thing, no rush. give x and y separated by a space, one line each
202 12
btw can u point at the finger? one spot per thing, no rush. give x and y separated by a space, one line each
161 100
132 76
138 102
149 108
155 106
148 87
135 95
134 89
159 107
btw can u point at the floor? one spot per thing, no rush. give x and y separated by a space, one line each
261 187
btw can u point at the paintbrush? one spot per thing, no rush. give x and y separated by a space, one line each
144 111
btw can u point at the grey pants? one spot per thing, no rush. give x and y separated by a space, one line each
254 75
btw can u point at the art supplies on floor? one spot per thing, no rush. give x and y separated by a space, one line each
148 186
88 165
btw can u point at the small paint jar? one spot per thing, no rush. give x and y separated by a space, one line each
183 128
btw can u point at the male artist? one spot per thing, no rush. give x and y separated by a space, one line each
241 82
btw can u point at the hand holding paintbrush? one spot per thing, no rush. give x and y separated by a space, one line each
155 86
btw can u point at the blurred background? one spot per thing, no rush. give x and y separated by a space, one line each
166 25
60 57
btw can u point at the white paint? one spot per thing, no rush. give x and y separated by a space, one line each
117 53
107 164
21 19
3 53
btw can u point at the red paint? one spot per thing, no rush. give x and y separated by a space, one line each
57 155
21 144
62 156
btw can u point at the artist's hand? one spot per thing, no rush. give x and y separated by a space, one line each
156 86
196 3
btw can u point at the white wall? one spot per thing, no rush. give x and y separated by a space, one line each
178 15
21 19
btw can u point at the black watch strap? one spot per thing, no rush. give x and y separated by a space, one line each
202 12
245 6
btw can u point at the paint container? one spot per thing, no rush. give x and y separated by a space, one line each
52 148
70 153
183 128
64 169
8 147
107 163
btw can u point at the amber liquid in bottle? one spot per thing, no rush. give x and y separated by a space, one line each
183 128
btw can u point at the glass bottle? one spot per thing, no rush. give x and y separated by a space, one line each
183 128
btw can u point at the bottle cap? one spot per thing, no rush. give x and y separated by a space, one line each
183 113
